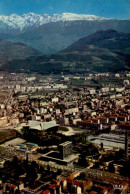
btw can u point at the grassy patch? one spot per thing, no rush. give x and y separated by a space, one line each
23 130
110 81
78 166
63 129
2 135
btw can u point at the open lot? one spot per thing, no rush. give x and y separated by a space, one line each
6 135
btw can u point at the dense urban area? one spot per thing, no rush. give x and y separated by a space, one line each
64 133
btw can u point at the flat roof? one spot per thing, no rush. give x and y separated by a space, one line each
107 142
32 144
69 159
42 126
21 150
65 143
13 142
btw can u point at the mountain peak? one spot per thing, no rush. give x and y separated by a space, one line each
73 16
24 21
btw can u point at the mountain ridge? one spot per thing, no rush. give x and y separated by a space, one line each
56 36
10 51
110 39
52 33
86 56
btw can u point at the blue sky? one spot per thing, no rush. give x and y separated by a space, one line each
105 8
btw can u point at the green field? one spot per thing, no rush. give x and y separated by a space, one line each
63 129
4 136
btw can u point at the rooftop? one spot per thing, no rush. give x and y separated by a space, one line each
42 126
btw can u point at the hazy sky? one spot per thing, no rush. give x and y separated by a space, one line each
105 8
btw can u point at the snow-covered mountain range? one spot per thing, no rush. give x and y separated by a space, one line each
53 33
25 21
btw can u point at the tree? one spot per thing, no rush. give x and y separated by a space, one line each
0 172
15 161
125 169
96 165
8 168
111 167
41 169
34 165
82 160
53 175
101 145
59 171
32 173
82 175
7 164
48 168
119 154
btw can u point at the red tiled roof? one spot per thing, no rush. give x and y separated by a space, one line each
76 182
72 175
57 181
46 192
88 122
104 189
69 180
109 188
124 184
121 116
127 125
112 117
57 186
83 184
52 186
11 185
62 180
